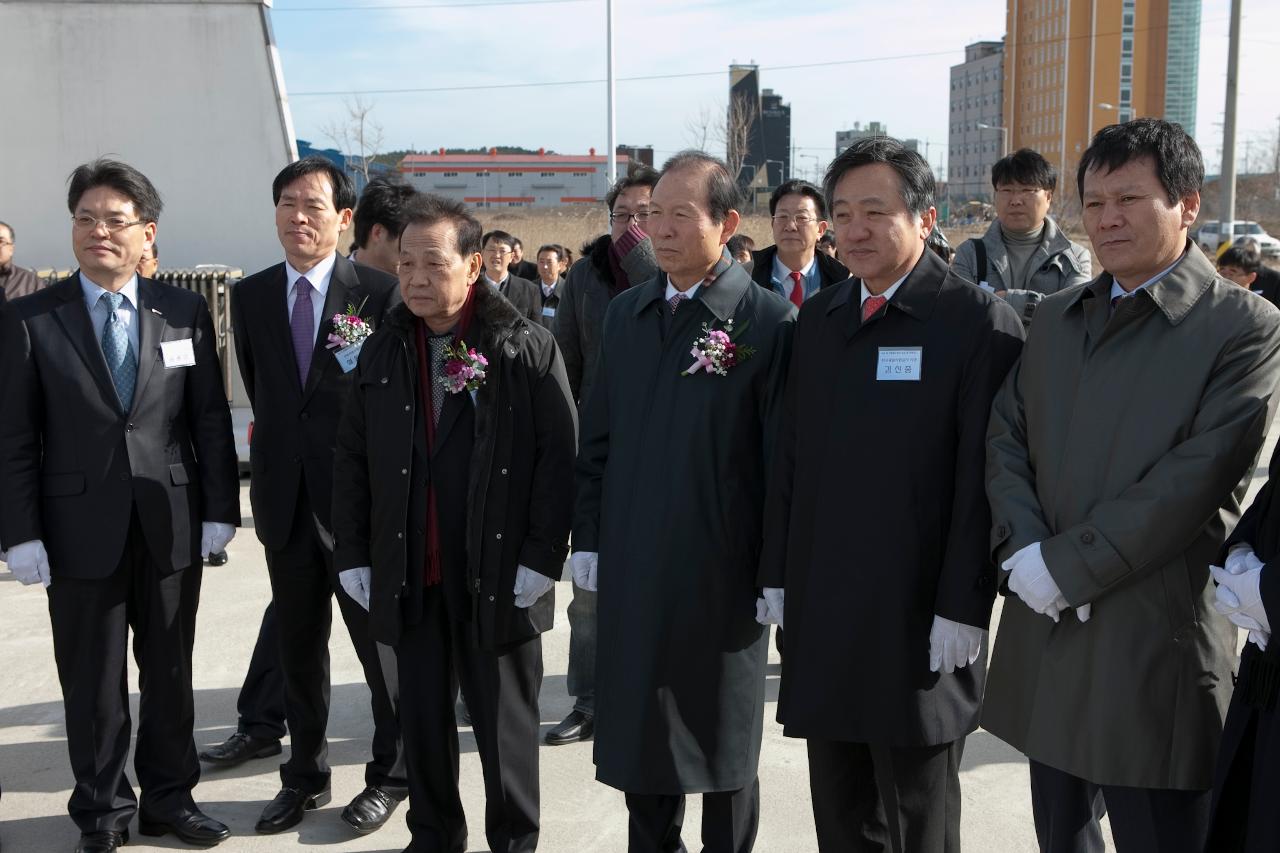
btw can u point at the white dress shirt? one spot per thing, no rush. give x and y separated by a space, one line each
888 294
782 275
1117 290
672 290
99 311
319 276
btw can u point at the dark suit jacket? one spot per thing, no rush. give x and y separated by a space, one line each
74 466
294 428
525 295
830 271
524 269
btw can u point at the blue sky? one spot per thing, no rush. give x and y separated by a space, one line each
889 62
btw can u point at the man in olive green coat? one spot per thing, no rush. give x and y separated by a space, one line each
1117 457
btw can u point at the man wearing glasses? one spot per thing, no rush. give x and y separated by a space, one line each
498 248
14 280
119 474
1024 256
610 264
793 267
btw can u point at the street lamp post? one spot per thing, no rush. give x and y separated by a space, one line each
1004 135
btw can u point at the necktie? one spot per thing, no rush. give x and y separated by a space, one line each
1115 302
871 306
302 328
797 289
437 345
119 352
675 301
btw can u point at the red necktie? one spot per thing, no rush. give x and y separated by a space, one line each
871 306
797 289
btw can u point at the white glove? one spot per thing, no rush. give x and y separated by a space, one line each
953 645
583 565
530 586
1030 580
769 608
1239 598
1259 639
29 562
214 536
1241 559
357 583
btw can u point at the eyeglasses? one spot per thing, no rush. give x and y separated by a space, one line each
1020 192
112 223
784 220
641 217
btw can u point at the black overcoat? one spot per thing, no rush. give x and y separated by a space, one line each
878 516
505 497
671 487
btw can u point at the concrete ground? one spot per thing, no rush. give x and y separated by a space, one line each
578 814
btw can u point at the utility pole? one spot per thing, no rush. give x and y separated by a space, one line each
613 123
1227 174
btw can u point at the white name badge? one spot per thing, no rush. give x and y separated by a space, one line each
548 311
178 353
988 288
899 364
348 356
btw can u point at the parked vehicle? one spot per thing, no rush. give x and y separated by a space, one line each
1209 236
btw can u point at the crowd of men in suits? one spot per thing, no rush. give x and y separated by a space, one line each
866 451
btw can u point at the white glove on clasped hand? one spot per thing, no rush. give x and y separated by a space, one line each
1259 639
953 645
530 586
769 608
1030 580
357 583
214 537
1239 598
583 566
1241 559
29 562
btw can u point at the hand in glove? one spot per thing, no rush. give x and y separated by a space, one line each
1241 559
583 566
214 537
1030 580
530 586
1239 598
953 645
29 562
357 583
1259 639
769 608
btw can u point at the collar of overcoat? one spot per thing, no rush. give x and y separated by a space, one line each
1174 295
728 282
915 297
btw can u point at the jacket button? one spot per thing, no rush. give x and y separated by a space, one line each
504 472
383 380
306 416
1086 538
404 470
499 536
400 535
491 598
130 428
406 408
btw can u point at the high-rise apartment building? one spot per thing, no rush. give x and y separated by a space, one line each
977 131
1073 66
764 122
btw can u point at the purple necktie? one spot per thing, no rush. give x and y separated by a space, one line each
302 327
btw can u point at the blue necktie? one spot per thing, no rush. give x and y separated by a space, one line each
119 352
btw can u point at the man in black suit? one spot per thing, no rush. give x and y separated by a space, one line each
793 267
119 474
518 265
877 521
497 252
297 384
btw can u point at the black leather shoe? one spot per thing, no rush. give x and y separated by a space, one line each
286 810
217 558
102 841
573 728
190 825
369 810
238 749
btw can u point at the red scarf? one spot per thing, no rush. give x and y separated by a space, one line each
427 389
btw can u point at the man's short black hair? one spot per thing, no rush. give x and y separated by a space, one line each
1243 256
827 239
723 194
427 210
1179 164
499 236
381 203
1025 167
12 234
914 173
155 250
344 192
515 242
799 187
552 247
738 243
122 178
638 175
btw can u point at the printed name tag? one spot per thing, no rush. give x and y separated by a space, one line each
988 288
899 364
548 311
348 356
178 353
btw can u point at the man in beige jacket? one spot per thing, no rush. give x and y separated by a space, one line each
1117 457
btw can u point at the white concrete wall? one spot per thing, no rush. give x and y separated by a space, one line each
187 92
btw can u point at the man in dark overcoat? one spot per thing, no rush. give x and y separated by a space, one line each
671 485
881 550
451 515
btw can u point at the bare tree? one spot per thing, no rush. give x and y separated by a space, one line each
356 135
700 129
740 120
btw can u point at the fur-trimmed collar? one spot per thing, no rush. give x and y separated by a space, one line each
597 252
494 319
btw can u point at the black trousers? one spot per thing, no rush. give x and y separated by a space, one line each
868 797
501 691
730 820
303 585
260 704
91 621
1143 820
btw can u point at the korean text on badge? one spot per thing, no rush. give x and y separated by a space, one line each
178 353
899 364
